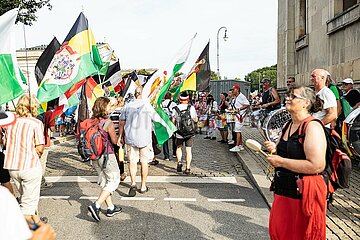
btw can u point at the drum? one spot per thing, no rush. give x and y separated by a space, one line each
202 121
230 117
353 132
274 123
257 117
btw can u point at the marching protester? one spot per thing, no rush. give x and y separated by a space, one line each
184 114
329 112
49 127
200 108
5 119
116 107
223 128
336 123
135 130
211 110
106 166
299 207
168 106
24 147
351 95
230 116
270 97
241 104
290 82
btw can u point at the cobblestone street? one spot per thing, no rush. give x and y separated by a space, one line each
343 215
210 158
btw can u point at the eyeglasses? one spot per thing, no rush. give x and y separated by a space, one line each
288 82
293 96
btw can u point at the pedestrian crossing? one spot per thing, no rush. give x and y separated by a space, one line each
166 199
150 179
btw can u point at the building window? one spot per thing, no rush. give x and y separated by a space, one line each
348 4
300 25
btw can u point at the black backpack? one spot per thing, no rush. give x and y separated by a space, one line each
338 164
184 123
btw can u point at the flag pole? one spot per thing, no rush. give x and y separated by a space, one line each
26 60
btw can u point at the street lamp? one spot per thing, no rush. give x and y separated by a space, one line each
225 38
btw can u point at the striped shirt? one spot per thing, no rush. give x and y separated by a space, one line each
115 117
22 137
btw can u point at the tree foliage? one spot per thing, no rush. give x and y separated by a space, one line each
257 75
214 76
27 9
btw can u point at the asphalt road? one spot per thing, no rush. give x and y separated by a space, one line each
224 206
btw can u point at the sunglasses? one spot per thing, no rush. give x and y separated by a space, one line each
288 82
293 96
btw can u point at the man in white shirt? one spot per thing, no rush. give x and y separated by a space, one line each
136 124
241 104
180 140
329 112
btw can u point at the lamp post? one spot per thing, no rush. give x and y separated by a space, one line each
217 47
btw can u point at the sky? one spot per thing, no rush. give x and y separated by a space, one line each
149 33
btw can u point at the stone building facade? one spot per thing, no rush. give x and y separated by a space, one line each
318 34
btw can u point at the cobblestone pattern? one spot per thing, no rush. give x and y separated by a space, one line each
210 158
343 215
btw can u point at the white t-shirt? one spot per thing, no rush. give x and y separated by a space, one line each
240 101
139 115
329 99
181 108
12 221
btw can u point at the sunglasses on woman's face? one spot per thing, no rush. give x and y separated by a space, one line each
293 96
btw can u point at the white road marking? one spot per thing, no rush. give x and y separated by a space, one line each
150 179
138 198
225 200
88 197
180 199
55 197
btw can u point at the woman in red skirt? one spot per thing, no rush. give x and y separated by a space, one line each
299 207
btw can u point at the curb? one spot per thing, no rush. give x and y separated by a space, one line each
257 176
59 140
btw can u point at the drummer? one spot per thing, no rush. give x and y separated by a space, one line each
230 119
270 97
241 104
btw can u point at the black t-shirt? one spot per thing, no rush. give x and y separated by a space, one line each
353 97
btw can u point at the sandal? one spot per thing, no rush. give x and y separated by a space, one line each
146 190
154 162
132 191
123 176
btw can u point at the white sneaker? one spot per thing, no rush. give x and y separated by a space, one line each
241 147
231 142
235 149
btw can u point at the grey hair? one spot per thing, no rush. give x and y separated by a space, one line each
316 104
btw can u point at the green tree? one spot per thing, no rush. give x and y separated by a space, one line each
214 76
27 9
257 75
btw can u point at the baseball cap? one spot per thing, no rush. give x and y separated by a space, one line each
236 87
265 80
348 80
6 118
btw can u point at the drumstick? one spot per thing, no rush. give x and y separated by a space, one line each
255 145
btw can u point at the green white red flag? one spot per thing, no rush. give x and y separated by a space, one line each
10 80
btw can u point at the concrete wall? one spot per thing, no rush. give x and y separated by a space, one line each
331 40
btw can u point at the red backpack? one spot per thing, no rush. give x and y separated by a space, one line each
338 164
90 139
